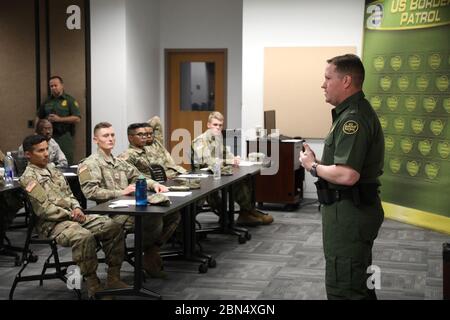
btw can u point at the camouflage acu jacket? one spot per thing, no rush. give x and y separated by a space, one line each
50 196
103 179
207 147
153 154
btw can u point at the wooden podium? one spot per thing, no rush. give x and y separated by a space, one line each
286 186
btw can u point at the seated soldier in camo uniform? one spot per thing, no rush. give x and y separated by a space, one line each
144 151
104 177
60 217
209 146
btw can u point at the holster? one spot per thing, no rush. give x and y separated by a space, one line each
323 192
358 194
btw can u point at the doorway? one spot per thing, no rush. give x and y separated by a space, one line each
195 87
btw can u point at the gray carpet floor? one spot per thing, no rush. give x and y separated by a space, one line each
283 260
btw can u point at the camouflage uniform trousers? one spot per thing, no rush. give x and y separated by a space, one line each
156 229
242 194
82 238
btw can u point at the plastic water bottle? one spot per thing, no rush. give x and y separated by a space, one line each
9 169
141 191
216 169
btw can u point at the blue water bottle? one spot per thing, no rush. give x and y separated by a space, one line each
141 191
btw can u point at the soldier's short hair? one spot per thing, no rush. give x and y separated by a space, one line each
350 64
40 123
132 127
146 125
101 125
56 77
31 141
215 115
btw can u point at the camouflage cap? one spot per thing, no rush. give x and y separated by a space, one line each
190 183
226 170
159 199
179 188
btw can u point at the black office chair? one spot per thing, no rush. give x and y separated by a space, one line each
27 256
158 173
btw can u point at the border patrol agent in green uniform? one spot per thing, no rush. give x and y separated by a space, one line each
62 110
60 217
352 162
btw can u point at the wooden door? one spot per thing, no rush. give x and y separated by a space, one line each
196 86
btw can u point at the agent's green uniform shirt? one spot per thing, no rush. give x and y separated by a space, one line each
356 140
63 106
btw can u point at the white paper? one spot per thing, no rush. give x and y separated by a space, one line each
69 174
244 163
178 194
204 169
193 175
124 202
113 206
75 166
291 140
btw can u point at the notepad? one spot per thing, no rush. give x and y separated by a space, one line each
178 194
244 163
193 175
124 202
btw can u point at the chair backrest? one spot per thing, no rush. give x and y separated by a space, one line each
158 173
20 162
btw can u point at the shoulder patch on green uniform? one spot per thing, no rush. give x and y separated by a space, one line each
350 127
64 103
76 104
84 174
36 191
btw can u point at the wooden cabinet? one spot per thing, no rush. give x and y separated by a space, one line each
286 185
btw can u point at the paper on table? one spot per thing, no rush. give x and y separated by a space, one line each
178 194
244 163
74 166
124 202
69 174
193 175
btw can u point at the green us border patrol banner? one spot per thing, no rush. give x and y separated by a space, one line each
407 60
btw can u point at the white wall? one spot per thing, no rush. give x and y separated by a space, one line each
142 43
187 24
292 23
108 66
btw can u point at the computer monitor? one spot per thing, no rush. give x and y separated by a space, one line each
269 121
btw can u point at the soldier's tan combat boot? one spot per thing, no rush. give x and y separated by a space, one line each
264 217
152 263
93 285
113 279
246 218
